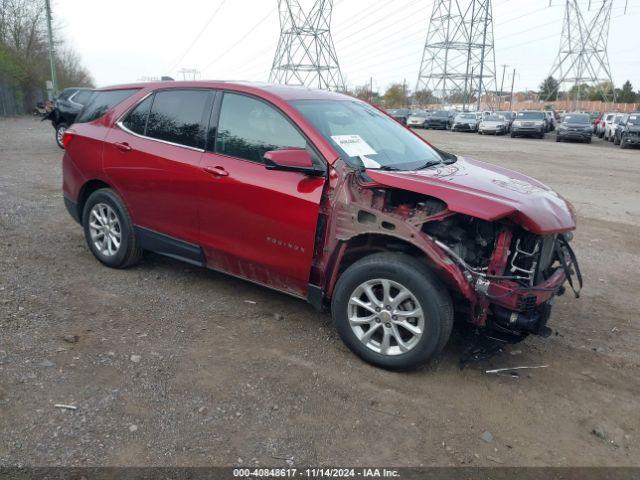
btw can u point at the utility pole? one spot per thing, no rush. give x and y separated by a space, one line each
54 78
504 68
513 80
404 92
370 89
306 54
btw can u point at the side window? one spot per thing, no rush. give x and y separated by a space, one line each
248 128
136 120
101 102
82 97
178 116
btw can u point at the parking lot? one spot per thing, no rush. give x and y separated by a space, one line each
168 364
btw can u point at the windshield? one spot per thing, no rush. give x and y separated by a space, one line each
419 113
530 116
494 118
365 137
577 118
633 120
467 116
504 114
441 113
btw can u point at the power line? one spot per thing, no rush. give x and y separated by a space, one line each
197 37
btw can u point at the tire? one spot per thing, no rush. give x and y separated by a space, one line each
558 139
513 135
110 206
623 144
589 140
541 136
399 270
59 132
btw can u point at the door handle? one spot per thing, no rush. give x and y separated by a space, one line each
216 171
124 146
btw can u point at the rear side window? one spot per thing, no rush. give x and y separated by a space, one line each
136 121
248 128
180 116
82 97
101 102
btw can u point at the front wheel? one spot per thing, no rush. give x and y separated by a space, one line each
108 230
392 311
60 129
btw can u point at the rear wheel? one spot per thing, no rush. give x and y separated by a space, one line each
108 230
60 129
558 139
391 311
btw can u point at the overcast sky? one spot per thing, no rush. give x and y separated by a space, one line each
122 41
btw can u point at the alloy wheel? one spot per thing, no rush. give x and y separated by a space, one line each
105 229
386 316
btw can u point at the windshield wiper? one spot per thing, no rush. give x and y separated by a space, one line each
388 168
431 163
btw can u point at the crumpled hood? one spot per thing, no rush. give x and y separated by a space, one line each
488 192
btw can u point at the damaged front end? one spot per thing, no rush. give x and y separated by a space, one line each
515 274
504 252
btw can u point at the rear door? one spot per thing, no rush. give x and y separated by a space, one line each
256 223
152 157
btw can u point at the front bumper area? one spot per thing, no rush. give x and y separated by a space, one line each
527 131
574 135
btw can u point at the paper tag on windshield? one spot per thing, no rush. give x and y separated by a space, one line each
353 145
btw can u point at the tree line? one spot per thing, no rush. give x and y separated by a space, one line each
24 55
397 95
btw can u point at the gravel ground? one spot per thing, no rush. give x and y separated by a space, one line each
169 364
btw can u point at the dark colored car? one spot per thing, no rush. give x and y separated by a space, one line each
440 119
628 132
465 122
400 114
575 126
325 198
66 107
529 124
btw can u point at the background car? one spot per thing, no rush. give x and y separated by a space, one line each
465 122
628 131
509 117
611 128
550 120
442 119
417 118
399 114
602 126
529 124
66 108
494 124
575 126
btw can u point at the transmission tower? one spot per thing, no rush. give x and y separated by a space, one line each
583 58
306 54
458 59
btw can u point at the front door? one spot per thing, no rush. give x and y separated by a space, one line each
256 223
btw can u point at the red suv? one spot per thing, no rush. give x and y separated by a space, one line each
323 197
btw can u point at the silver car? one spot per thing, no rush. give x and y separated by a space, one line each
493 124
417 119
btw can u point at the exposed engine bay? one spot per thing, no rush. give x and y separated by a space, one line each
502 276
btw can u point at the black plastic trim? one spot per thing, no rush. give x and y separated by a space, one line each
72 208
315 296
170 247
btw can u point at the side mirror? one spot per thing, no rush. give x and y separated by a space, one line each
292 160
